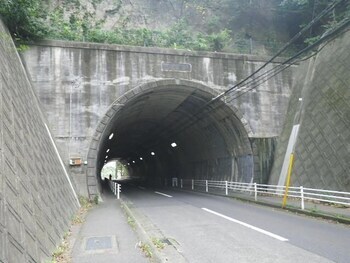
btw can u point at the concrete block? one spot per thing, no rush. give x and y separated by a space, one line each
30 245
15 252
2 244
91 180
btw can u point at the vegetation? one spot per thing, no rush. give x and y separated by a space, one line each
146 249
220 25
158 243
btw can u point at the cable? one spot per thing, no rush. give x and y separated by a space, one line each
207 107
275 71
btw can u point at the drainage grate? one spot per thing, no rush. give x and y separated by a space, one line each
96 243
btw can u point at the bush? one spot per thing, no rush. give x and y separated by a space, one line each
25 19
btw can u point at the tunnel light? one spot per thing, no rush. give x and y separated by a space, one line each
153 153
106 157
128 163
141 158
111 136
133 161
173 144
107 150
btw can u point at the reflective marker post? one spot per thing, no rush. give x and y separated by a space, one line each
118 190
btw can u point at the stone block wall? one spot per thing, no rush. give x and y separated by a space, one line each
36 198
322 151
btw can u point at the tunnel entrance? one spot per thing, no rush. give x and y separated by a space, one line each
154 131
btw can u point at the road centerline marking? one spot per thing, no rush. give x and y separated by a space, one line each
247 225
159 193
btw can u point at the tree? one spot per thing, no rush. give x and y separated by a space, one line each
25 19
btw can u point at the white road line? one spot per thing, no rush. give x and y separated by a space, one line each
247 225
159 193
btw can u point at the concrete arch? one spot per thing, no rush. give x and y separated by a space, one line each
225 120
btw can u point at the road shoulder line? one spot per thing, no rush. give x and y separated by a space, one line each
247 225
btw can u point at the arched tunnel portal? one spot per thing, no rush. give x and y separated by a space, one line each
140 127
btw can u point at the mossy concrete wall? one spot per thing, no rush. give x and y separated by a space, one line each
36 198
322 150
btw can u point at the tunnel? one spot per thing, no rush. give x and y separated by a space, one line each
164 130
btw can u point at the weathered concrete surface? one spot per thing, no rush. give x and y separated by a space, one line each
78 82
322 151
36 199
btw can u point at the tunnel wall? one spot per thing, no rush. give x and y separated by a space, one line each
36 199
78 82
322 151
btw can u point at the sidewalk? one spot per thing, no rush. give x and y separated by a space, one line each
106 236
336 213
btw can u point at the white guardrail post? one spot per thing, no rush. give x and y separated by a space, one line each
255 192
302 198
305 194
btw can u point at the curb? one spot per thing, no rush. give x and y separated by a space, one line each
326 216
141 233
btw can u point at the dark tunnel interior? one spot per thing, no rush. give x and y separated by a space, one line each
157 136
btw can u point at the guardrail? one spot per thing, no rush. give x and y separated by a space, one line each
115 188
302 193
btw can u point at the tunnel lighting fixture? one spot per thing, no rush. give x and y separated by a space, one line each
173 144
106 156
111 136
133 161
107 150
141 158
152 153
128 163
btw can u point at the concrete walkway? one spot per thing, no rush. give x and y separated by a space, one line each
106 236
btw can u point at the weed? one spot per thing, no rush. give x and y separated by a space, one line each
158 243
146 249
131 222
60 253
96 200
77 219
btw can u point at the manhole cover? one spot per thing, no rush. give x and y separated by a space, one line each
95 243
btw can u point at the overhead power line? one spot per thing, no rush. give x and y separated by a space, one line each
254 80
269 73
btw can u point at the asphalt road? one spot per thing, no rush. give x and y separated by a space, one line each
216 229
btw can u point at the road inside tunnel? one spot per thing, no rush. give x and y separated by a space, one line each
163 132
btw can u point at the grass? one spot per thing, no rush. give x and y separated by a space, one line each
146 249
62 252
86 205
158 243
131 223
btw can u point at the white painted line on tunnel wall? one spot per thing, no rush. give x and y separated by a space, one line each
247 225
141 187
159 193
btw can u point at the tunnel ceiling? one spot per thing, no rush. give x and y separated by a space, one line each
152 120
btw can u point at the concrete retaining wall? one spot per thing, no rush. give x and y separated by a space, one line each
322 151
36 199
